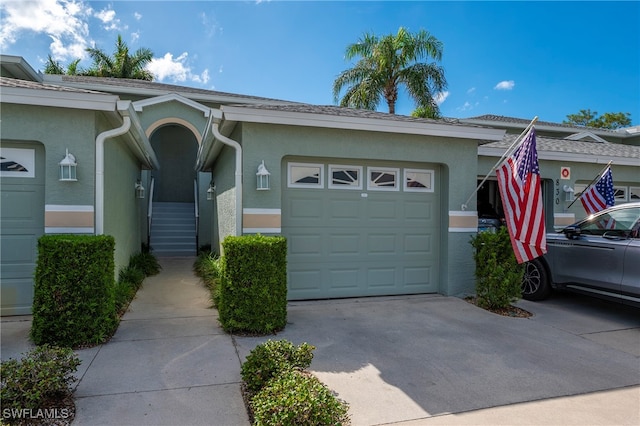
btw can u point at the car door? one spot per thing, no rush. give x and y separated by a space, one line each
631 273
595 255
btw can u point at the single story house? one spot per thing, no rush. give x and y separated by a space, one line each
370 203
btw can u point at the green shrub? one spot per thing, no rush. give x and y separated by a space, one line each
498 274
253 288
132 275
297 398
73 301
270 359
146 263
208 267
42 377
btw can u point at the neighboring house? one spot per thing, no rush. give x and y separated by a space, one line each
370 203
570 157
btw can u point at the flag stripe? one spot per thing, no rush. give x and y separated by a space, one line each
600 195
519 185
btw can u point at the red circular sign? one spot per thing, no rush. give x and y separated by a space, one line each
565 172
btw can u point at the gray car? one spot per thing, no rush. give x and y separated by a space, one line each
599 256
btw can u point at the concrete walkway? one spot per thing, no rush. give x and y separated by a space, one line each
413 360
169 363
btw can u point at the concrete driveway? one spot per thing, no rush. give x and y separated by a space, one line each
411 360
434 359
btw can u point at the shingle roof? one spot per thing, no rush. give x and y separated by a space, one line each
546 144
353 112
524 123
123 83
24 84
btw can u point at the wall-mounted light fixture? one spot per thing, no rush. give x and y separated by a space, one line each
568 193
68 168
211 192
262 177
139 190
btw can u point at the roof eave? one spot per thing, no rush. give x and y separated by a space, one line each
60 99
308 119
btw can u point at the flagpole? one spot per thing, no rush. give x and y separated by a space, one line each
598 176
505 155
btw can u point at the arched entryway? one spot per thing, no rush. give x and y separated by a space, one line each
176 149
173 223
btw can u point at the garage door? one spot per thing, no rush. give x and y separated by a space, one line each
21 223
361 229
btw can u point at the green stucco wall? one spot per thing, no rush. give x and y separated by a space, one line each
458 170
121 207
57 129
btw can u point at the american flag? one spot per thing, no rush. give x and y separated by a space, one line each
599 196
519 184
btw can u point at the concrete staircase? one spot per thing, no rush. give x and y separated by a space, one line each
173 229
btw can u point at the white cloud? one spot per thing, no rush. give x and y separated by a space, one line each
64 21
467 106
470 91
109 20
441 97
176 69
135 36
137 15
505 85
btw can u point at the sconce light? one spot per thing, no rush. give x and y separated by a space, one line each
262 178
68 168
568 193
211 192
139 190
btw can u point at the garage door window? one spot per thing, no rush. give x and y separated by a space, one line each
345 177
383 179
306 175
416 180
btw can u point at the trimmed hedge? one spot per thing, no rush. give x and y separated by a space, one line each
271 359
73 302
499 276
253 288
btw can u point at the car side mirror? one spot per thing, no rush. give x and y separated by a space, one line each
572 232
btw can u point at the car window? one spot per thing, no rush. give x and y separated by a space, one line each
622 220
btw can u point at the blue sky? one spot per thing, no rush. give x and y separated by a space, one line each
518 59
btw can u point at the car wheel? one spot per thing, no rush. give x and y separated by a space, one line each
535 284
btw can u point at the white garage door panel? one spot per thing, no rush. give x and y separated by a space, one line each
351 243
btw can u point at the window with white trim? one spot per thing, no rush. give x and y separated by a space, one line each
620 193
418 180
383 179
305 175
634 193
345 177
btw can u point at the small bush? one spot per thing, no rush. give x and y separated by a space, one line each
208 267
42 377
499 276
270 359
146 263
297 398
253 288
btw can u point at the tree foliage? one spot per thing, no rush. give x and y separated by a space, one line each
387 63
121 64
608 120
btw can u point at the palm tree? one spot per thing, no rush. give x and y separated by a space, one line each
387 63
121 64
54 67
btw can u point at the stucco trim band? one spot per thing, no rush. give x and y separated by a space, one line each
261 221
463 221
563 219
78 219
